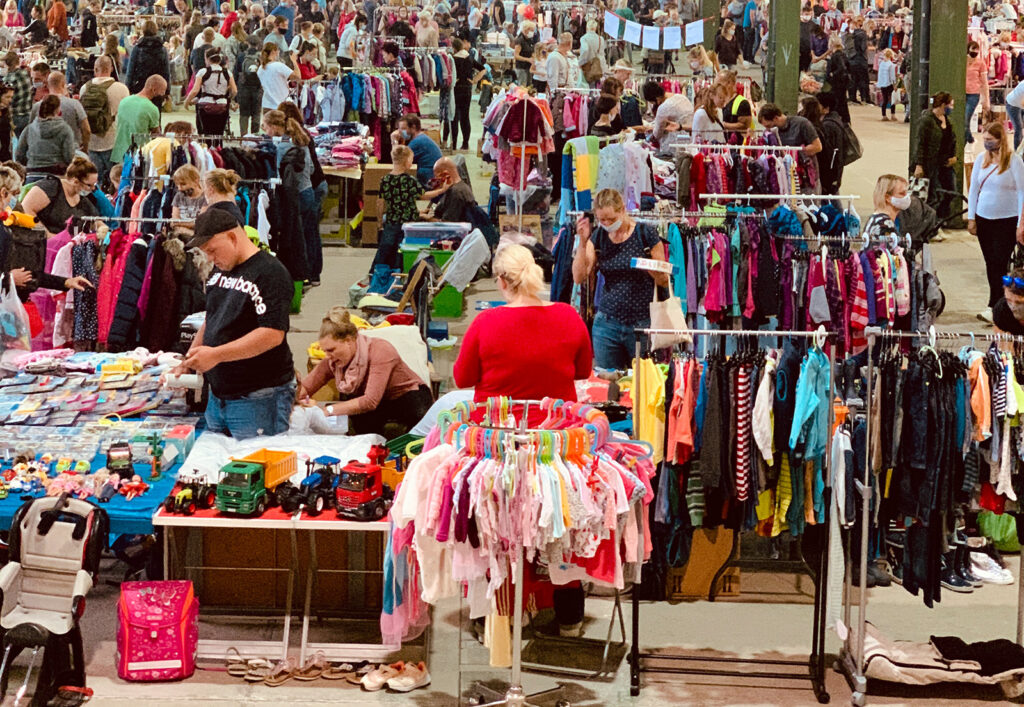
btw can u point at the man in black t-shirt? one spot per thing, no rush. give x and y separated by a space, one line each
453 196
242 347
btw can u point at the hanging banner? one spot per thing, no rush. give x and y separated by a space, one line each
673 38
652 38
611 24
632 34
695 33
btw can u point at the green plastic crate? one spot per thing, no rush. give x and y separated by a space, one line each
448 303
409 256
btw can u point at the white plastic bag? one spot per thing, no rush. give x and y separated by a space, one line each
14 326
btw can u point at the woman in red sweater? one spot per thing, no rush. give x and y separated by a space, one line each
529 349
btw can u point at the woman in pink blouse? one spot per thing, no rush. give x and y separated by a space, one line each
13 18
977 85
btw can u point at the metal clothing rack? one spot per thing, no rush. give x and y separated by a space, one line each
815 663
851 664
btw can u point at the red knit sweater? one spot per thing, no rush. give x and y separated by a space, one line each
526 353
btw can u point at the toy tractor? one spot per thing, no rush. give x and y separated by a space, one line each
119 460
315 492
361 493
189 494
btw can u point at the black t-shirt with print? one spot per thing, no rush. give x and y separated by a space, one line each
256 294
400 192
1004 320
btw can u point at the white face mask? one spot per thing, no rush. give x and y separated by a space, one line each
614 227
900 202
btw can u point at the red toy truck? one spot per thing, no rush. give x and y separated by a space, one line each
361 493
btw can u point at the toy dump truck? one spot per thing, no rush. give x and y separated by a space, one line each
249 485
361 493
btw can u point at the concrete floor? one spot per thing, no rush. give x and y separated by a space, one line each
779 626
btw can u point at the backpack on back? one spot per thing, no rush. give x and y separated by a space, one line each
250 65
97 107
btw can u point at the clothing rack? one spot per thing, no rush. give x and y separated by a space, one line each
715 146
815 663
852 665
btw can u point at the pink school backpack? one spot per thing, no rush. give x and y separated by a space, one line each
157 631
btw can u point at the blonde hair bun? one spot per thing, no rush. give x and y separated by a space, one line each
514 264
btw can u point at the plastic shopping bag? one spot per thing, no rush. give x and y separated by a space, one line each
14 323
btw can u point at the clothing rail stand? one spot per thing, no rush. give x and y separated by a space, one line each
781 197
815 663
851 664
514 696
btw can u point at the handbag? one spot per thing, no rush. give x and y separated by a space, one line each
918 186
28 248
15 329
592 70
668 314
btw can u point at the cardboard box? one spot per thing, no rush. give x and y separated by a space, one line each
372 177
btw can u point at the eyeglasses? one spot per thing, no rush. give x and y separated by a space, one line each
1016 282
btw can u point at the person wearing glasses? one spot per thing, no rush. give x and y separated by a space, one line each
1008 312
53 200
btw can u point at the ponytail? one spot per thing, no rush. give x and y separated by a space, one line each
296 132
265 53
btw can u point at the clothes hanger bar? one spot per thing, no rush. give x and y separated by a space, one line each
149 219
758 148
738 332
876 332
782 197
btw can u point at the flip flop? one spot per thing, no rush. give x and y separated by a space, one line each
282 673
342 671
356 678
314 667
237 666
258 670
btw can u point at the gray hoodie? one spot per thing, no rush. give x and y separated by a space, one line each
45 143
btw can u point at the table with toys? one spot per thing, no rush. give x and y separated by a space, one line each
281 503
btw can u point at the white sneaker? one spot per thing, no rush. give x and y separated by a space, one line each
985 315
941 235
746 64
377 678
412 677
988 570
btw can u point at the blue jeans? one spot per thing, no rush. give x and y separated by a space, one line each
614 342
311 232
971 101
1017 118
389 239
103 165
260 413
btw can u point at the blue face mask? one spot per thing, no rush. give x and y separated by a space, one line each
949 110
405 134
13 202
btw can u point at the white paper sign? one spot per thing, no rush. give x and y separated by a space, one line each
673 37
632 34
545 34
695 33
652 37
611 25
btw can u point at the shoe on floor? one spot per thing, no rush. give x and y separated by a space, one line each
314 283
988 570
939 236
985 315
411 677
377 678
877 577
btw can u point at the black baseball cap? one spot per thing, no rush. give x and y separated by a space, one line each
210 223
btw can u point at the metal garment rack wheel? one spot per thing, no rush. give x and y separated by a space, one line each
815 663
851 665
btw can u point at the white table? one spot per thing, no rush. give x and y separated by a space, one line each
297 522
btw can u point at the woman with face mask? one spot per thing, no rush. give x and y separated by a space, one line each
524 45
995 205
936 152
627 293
890 198
977 87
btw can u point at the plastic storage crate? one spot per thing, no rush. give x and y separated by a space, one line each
426 232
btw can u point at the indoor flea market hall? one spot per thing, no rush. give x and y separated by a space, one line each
687 374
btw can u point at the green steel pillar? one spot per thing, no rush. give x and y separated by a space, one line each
782 82
711 11
941 26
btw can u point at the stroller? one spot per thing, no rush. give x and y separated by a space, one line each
922 222
55 548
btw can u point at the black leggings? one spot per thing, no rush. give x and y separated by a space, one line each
211 122
463 100
887 100
997 238
405 410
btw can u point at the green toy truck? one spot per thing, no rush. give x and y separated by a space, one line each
249 486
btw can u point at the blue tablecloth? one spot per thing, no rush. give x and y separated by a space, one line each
134 517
